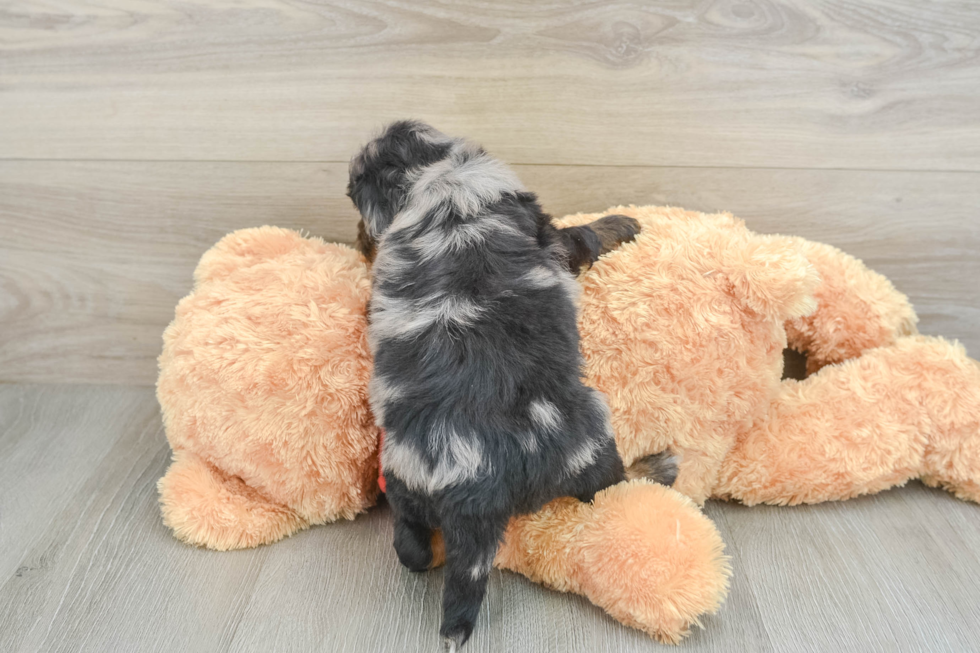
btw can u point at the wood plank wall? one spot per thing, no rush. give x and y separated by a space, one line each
134 134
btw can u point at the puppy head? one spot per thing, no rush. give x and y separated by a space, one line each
380 174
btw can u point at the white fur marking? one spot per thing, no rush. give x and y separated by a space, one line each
482 569
393 317
541 276
438 241
571 285
402 460
545 414
413 213
381 392
466 178
388 263
585 456
458 459
528 442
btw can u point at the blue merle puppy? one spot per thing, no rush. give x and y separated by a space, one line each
477 371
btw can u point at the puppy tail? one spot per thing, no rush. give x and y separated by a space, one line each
471 546
658 467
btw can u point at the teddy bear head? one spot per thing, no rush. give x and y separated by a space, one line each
263 388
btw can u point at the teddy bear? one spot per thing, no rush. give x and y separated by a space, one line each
263 389
684 330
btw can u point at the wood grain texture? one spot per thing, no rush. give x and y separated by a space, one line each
96 254
50 441
104 574
88 565
133 135
790 83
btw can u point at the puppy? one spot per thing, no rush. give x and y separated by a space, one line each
477 372
582 246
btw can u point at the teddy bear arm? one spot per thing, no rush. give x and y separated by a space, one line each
641 551
857 309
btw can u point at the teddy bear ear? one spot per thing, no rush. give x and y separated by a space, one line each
247 247
772 276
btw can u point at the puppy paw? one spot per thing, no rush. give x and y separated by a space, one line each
415 560
614 230
659 468
454 636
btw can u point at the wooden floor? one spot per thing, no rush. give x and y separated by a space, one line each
134 134
86 565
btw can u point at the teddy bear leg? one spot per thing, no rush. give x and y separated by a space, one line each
205 507
952 455
873 422
641 551
955 469
857 309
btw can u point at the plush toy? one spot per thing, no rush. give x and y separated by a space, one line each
263 386
264 374
684 331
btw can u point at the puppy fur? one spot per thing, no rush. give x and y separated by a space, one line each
477 372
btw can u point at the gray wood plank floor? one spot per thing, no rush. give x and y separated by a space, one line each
86 565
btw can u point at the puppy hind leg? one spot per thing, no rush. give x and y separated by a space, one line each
413 543
471 546
413 535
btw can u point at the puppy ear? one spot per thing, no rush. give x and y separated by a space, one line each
364 243
364 190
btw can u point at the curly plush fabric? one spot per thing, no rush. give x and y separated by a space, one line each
684 330
263 388
910 410
263 385
652 562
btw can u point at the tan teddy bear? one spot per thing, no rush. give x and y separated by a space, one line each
684 331
263 386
